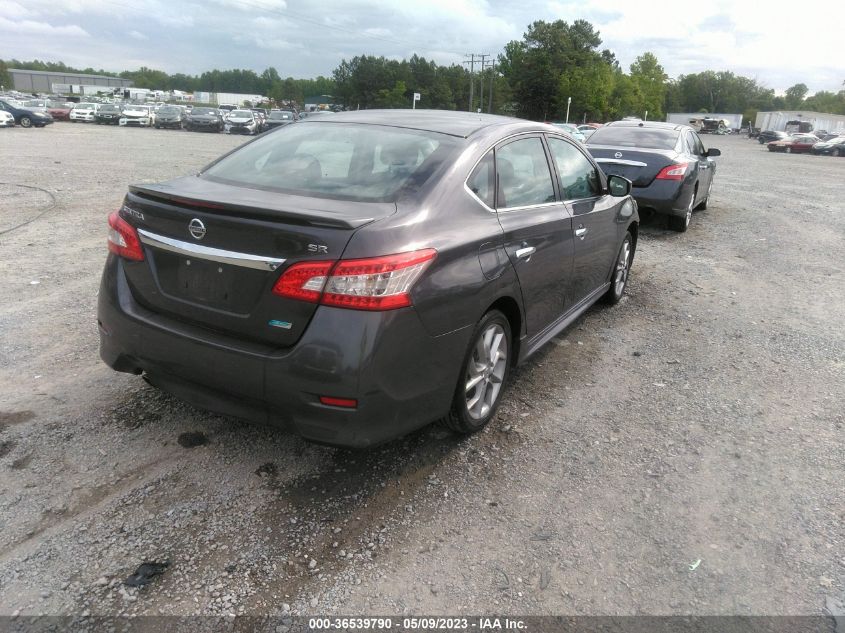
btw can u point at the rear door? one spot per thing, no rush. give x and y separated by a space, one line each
595 229
537 229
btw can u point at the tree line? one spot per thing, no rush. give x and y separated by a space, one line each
557 68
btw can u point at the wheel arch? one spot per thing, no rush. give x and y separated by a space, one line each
509 306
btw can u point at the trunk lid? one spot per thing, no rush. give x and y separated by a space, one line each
220 275
640 166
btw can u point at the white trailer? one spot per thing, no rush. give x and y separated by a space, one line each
778 121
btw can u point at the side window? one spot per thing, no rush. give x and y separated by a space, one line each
482 180
522 172
697 145
578 177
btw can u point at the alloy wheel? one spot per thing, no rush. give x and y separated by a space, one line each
486 371
26 122
623 267
688 217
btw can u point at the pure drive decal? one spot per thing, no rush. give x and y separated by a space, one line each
282 324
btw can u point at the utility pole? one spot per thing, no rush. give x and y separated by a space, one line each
471 63
492 81
483 57
473 59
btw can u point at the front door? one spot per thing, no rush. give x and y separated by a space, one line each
593 218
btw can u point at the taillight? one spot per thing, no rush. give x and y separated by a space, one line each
304 281
346 403
377 283
673 172
123 239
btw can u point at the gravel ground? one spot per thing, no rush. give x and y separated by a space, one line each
680 453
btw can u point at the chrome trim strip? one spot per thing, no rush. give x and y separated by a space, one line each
620 161
246 260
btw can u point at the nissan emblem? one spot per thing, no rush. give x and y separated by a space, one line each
196 228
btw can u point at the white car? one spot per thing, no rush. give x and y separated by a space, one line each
6 119
242 122
85 112
136 116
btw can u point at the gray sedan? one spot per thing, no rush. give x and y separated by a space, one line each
354 277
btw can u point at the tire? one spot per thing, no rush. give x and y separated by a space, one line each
760 140
487 365
834 151
621 270
702 206
26 121
788 150
681 223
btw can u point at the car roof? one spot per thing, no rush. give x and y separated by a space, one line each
649 124
462 124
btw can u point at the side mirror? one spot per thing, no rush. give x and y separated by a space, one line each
713 152
618 186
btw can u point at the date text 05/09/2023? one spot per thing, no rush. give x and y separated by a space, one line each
456 624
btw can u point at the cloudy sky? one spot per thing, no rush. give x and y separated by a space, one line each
305 38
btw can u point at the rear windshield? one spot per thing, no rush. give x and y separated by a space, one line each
365 163
203 111
109 108
634 136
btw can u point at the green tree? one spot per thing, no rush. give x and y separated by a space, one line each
650 79
5 77
553 62
795 96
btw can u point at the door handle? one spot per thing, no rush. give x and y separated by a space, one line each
523 253
580 232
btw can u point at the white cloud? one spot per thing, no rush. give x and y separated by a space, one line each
252 5
137 35
31 27
14 10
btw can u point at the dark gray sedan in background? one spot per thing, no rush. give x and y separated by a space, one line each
354 277
670 168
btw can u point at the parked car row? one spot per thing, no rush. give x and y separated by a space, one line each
198 119
808 144
820 142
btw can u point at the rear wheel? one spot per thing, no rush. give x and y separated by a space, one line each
26 121
834 151
483 376
621 271
680 223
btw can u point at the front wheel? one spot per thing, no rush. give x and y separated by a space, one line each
483 376
702 206
621 271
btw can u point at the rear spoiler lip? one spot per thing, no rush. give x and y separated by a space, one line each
159 192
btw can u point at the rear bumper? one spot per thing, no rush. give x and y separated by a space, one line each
670 197
402 377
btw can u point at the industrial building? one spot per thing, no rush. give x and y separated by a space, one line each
48 81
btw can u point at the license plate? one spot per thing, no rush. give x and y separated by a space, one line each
205 281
